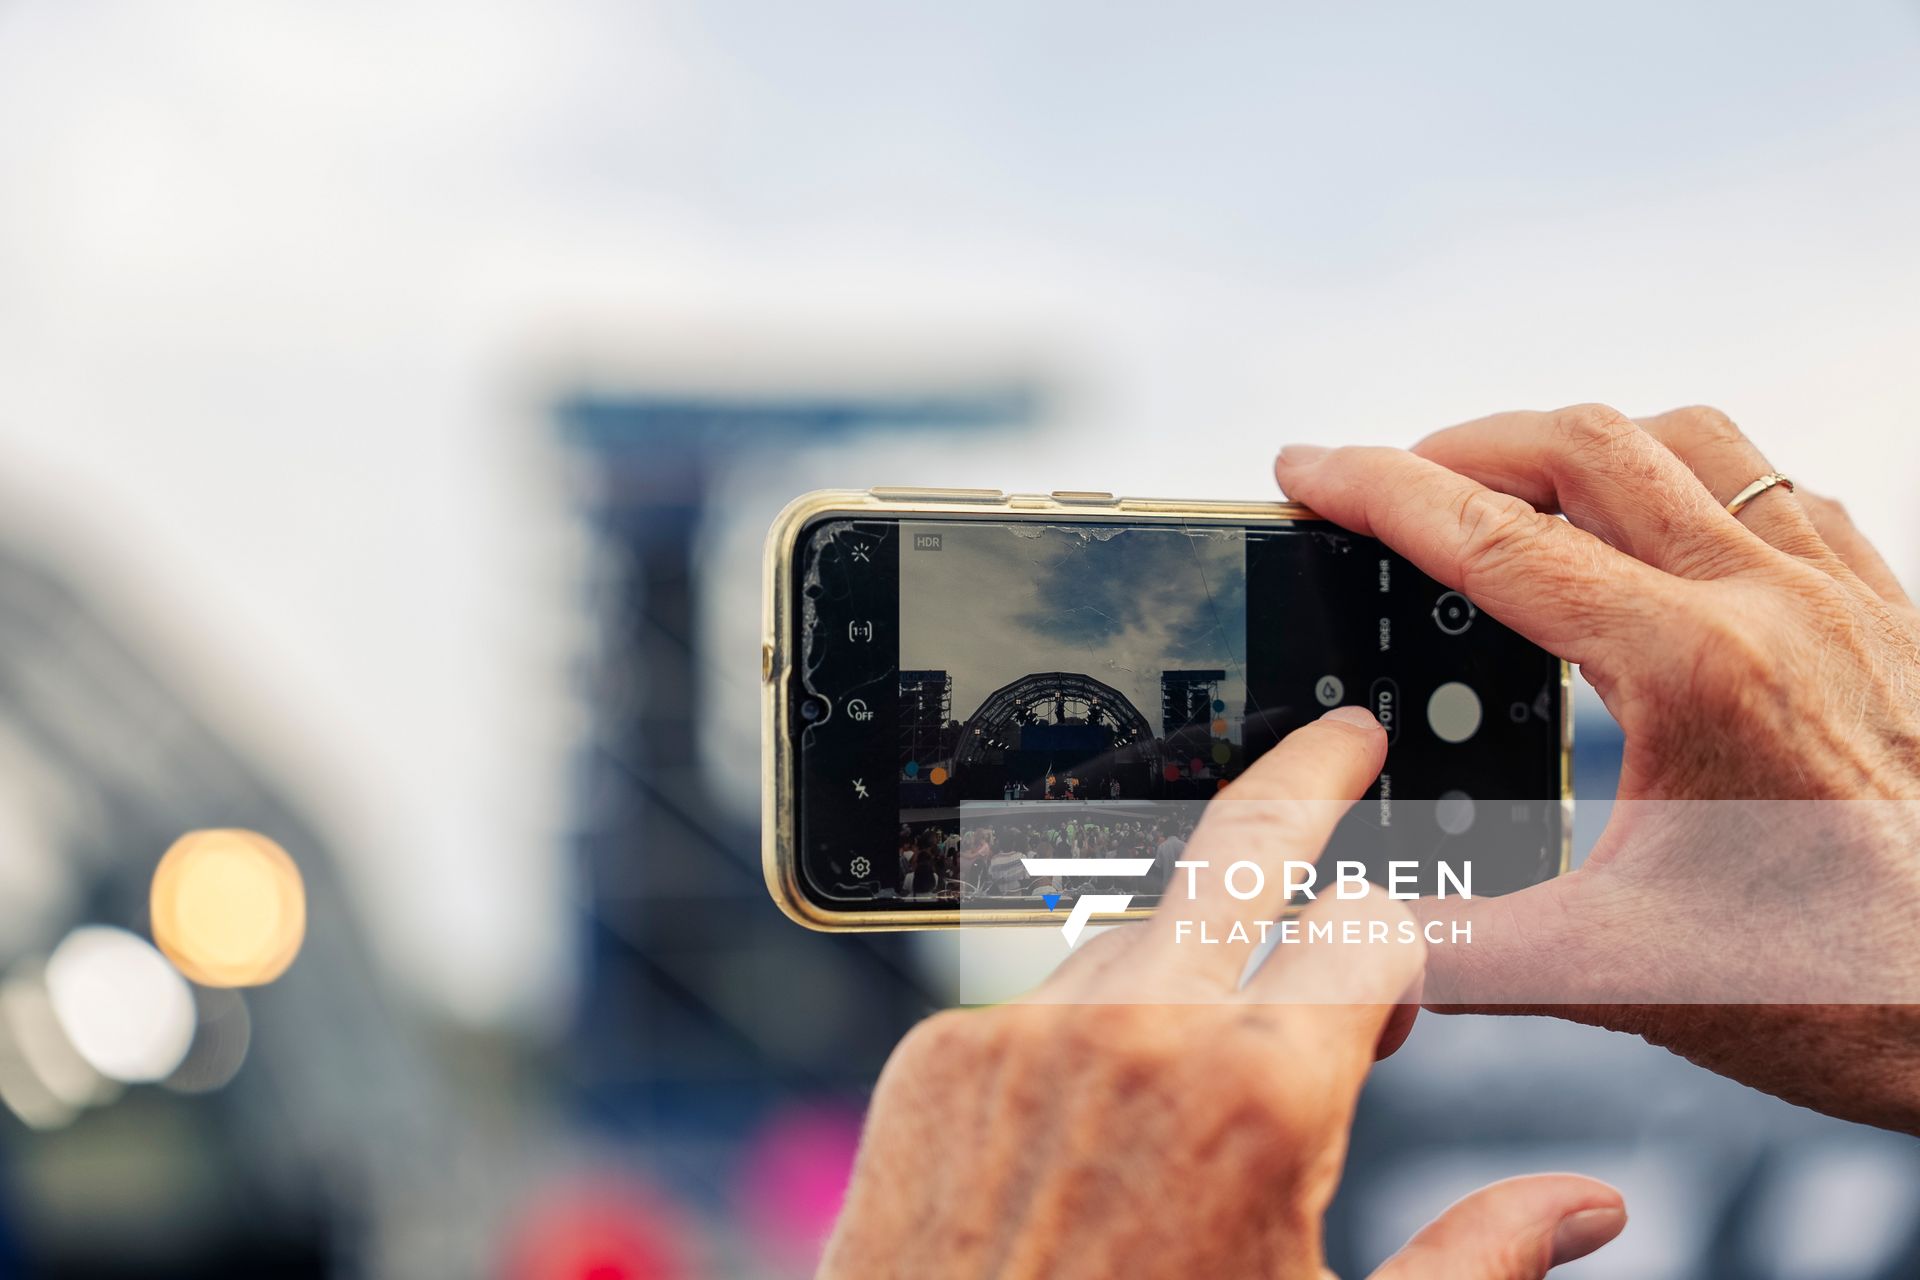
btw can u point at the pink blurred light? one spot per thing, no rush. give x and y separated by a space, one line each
795 1177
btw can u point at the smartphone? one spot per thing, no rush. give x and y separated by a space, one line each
960 682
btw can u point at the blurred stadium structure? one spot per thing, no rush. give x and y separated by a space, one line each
292 540
330 1118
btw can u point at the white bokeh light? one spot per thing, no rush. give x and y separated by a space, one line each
126 1010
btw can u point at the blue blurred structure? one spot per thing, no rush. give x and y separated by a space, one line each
705 1008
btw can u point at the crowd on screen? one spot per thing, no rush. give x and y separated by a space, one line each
984 859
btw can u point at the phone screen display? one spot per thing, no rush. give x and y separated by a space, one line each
973 692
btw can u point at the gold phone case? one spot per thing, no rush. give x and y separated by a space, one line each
779 854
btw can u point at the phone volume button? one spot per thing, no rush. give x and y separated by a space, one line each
1084 497
908 493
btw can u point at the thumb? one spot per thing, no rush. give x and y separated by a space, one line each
1512 1230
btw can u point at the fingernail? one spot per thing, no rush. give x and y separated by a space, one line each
1358 717
1300 455
1579 1234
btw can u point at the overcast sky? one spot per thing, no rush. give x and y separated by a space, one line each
997 602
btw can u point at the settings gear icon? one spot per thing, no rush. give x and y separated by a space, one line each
861 868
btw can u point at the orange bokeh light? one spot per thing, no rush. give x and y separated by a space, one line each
228 908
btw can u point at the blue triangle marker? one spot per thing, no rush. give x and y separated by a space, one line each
1051 899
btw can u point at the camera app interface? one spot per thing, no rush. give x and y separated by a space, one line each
975 694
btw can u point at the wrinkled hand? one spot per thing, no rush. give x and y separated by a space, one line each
1145 1113
1751 904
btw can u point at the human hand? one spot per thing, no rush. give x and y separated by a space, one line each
1750 904
1144 1113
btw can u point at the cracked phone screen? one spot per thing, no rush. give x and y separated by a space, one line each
978 693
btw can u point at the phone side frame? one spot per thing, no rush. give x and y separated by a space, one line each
779 852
